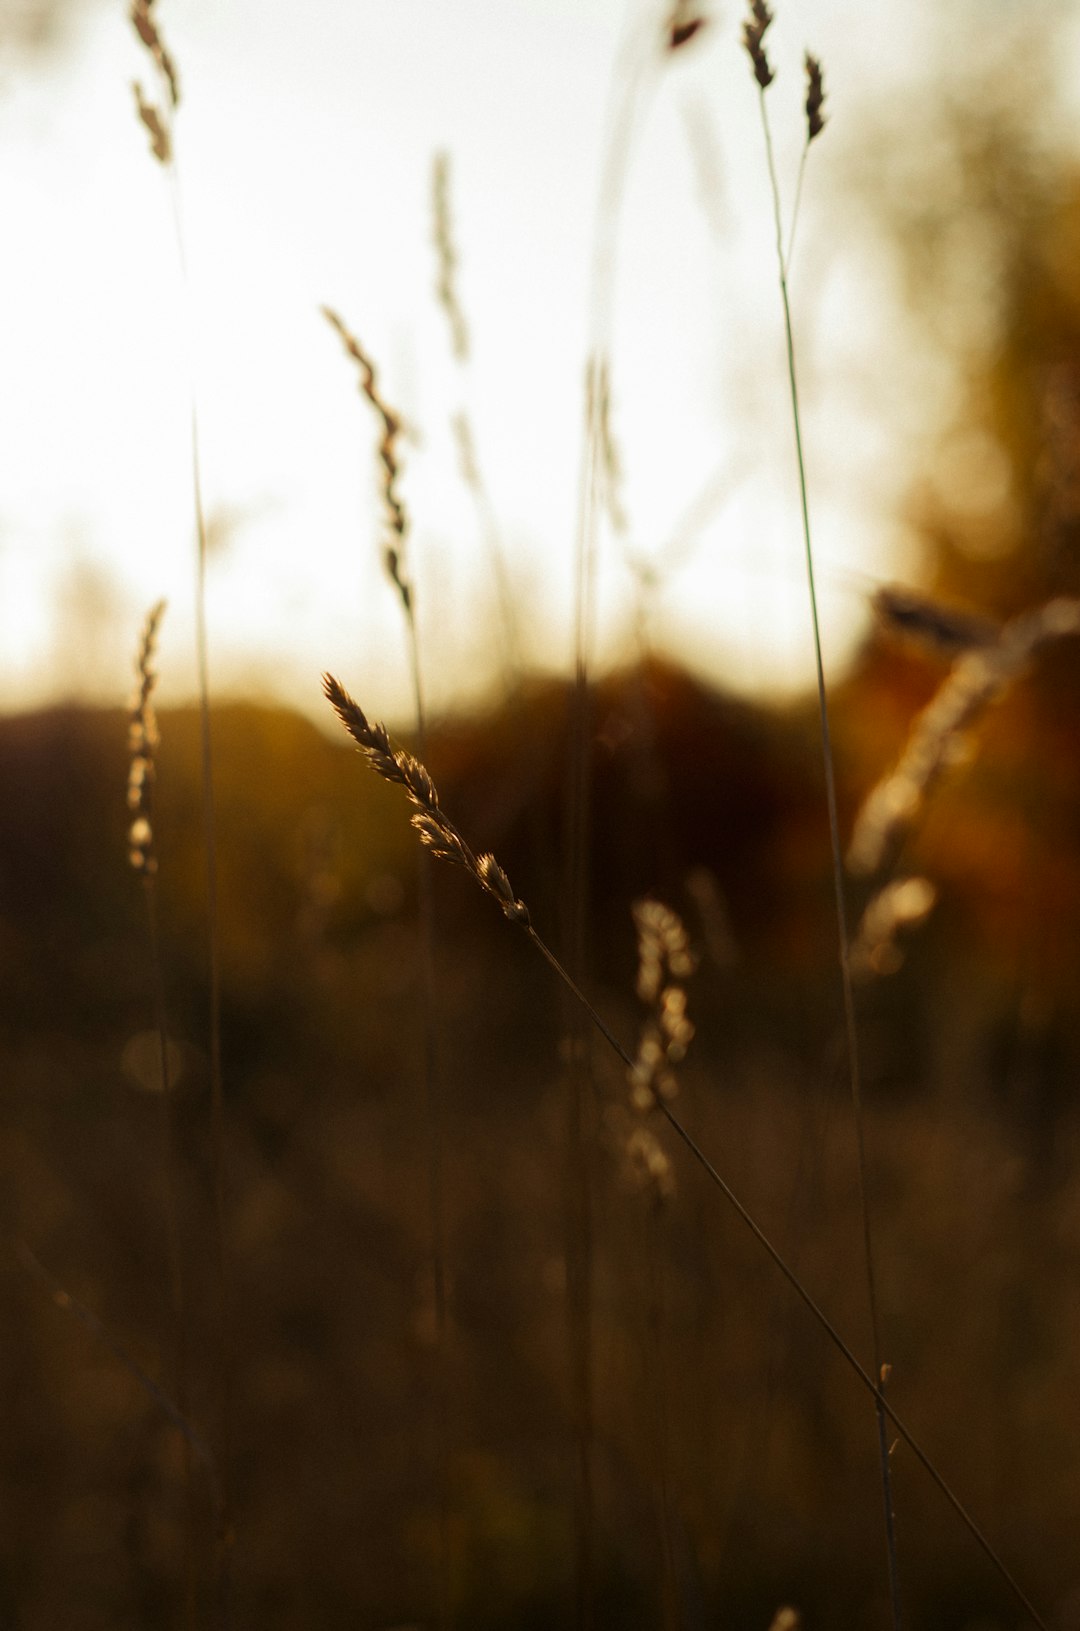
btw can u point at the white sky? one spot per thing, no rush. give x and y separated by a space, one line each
305 141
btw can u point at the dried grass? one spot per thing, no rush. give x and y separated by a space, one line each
665 962
142 746
902 904
446 289
939 738
437 832
157 118
397 520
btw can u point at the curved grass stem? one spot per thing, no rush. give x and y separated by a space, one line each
439 833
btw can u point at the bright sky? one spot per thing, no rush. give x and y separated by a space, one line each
305 142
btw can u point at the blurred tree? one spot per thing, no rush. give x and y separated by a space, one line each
982 208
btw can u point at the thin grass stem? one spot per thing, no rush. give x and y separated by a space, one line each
397 527
793 228
177 1282
438 833
817 1313
434 1120
624 96
159 122
143 742
838 885
654 1265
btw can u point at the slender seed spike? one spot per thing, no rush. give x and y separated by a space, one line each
148 33
437 832
142 743
160 145
815 98
396 517
447 257
754 30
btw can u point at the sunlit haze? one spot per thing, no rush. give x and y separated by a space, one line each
305 142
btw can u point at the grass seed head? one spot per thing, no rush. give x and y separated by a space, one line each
444 842
147 30
815 97
685 21
495 881
754 30
155 125
902 904
436 831
142 746
939 736
649 1162
396 516
447 257
664 961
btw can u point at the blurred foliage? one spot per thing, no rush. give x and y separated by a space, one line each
717 807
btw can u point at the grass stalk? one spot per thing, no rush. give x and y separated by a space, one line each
396 521
142 853
439 834
840 897
578 1184
158 119
226 1539
760 18
177 1284
654 1264
433 1120
625 96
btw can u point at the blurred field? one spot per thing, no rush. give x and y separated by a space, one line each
706 1372
365 1457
